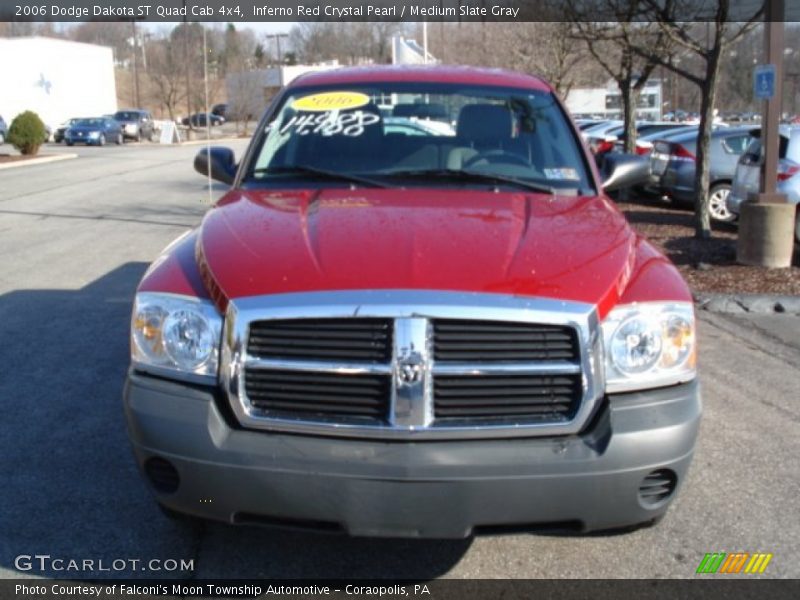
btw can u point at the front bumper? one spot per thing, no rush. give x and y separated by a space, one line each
439 489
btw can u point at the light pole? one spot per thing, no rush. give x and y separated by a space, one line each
187 61
278 37
136 102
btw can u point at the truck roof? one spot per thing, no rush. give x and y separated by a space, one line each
423 74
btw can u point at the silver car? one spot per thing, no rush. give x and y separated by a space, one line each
747 178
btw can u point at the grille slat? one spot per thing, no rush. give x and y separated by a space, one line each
501 411
318 353
307 394
479 401
320 339
308 378
505 381
476 356
322 409
489 341
533 393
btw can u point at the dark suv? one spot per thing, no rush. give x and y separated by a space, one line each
136 124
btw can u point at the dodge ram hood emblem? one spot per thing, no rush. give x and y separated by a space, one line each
409 373
409 365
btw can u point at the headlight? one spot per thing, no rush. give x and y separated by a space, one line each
649 345
175 336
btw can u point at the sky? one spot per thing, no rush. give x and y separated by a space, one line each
260 28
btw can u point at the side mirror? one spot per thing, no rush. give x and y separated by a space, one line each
218 161
624 170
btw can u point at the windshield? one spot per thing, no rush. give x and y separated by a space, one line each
88 122
127 116
420 134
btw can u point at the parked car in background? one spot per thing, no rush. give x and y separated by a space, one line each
58 133
599 127
611 139
94 131
644 143
747 179
221 110
199 120
674 163
136 124
584 124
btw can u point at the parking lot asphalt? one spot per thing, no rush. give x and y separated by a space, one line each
76 236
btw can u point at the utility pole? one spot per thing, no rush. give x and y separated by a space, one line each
136 102
766 231
188 64
278 37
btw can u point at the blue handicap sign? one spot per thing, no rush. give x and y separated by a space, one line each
764 82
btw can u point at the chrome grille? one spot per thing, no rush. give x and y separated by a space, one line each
412 364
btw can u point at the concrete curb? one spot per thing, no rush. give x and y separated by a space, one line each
763 304
42 160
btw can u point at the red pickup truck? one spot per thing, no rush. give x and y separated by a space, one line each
416 313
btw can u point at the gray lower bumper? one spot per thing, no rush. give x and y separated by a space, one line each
413 489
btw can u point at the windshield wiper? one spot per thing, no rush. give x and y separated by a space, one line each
473 176
306 170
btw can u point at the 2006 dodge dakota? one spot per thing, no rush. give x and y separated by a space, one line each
415 313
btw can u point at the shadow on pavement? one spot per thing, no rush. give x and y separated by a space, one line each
71 489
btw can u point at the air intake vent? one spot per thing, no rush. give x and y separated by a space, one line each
363 340
298 394
491 341
657 487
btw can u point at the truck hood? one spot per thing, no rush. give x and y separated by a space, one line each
269 242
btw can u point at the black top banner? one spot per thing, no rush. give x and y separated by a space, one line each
386 10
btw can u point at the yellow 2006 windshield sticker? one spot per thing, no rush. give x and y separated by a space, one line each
330 101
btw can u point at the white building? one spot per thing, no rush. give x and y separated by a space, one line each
57 79
607 102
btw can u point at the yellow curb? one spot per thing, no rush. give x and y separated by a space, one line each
41 160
